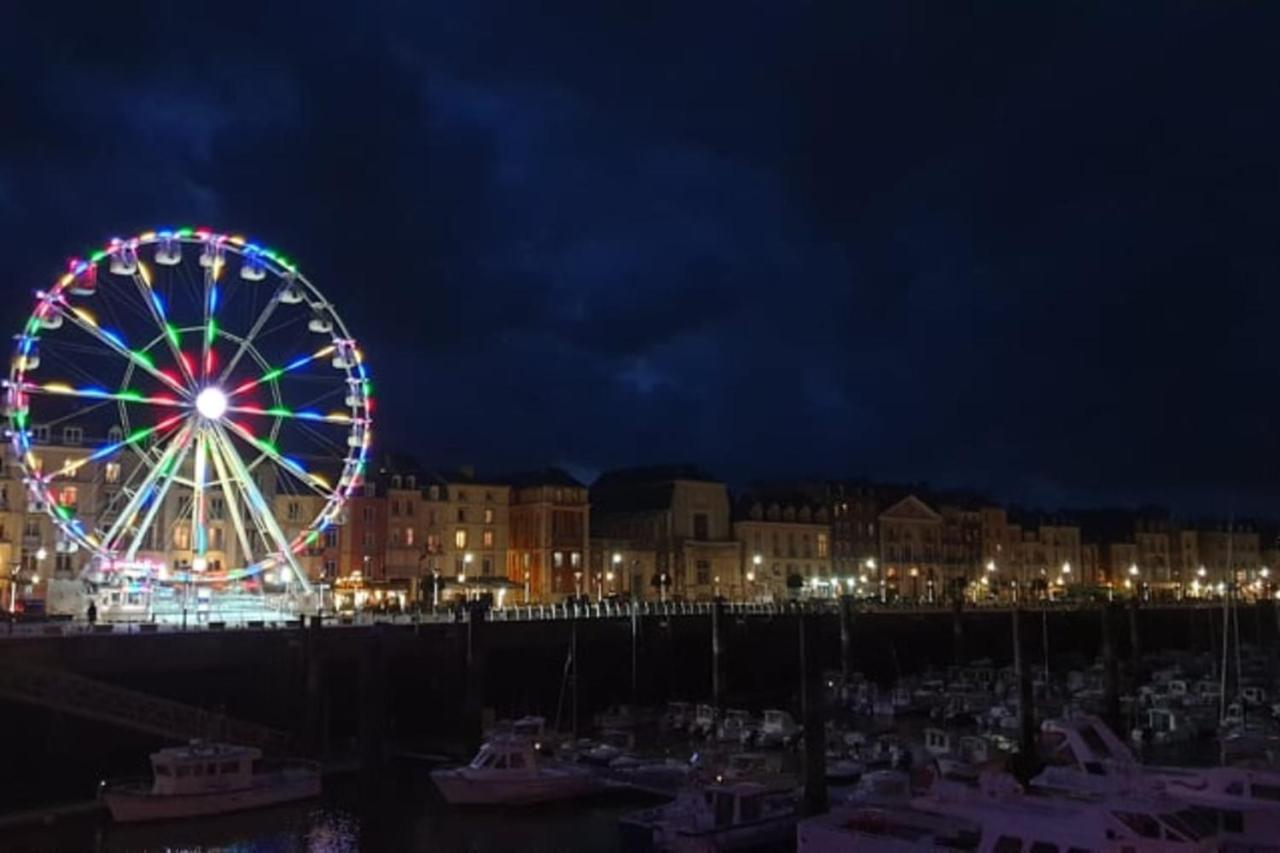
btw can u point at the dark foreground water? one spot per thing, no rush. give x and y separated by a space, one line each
405 814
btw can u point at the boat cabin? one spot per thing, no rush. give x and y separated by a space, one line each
742 803
201 767
504 755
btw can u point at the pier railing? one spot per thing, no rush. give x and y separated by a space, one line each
566 610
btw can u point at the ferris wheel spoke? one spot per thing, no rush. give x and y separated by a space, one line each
301 414
229 490
163 468
254 330
277 372
153 509
61 389
212 261
71 466
259 510
155 305
114 343
199 531
313 481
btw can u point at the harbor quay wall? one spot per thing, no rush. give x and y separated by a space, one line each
352 690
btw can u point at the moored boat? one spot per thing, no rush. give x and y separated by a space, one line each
208 779
509 771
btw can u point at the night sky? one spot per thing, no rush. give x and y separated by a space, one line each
1029 248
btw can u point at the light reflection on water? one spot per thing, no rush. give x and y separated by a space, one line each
407 816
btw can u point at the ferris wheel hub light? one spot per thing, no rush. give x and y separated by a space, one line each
211 403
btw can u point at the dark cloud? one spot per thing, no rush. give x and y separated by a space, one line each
1026 248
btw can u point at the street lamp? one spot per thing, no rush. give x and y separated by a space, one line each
870 564
617 567
577 584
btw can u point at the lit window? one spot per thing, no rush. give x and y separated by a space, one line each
112 472
408 536
182 536
487 538
67 496
460 538
557 559
488 515
822 544
575 560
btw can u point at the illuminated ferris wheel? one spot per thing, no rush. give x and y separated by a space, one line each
186 405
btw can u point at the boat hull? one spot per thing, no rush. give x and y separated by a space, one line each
134 805
460 788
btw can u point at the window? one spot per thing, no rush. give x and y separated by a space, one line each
704 571
434 544
217 509
182 537
368 539
112 472
487 538
408 536
822 545
557 559
701 527
1266 792
487 566
462 515
408 506
330 568
368 515
488 515
67 496
293 511
73 435
395 481
40 434
575 560
395 507
331 537
217 538
460 538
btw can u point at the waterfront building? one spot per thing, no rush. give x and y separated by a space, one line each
548 547
680 514
910 564
786 548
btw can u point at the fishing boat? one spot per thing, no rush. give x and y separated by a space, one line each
716 817
509 771
209 779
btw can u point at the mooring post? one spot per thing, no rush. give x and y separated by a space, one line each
717 655
846 641
573 674
1135 644
957 628
476 664
635 653
1110 669
815 734
1026 703
312 712
373 703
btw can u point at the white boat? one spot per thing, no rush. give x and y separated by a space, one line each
509 771
736 727
1087 758
1001 818
778 728
208 779
730 816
